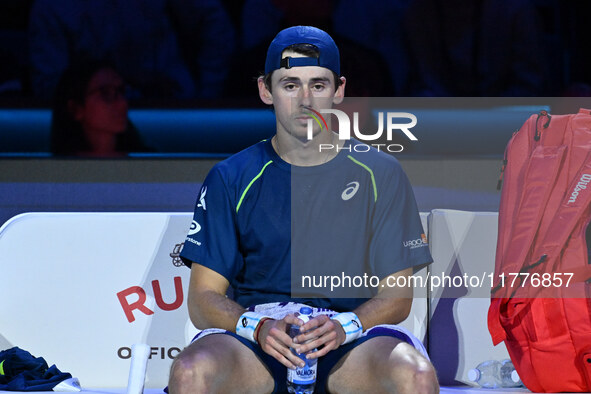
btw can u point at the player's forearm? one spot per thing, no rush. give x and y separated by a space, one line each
209 309
390 306
385 310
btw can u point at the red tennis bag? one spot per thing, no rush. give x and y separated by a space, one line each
540 302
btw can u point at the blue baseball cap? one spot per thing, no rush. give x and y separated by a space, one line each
329 53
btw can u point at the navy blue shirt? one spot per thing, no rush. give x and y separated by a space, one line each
265 225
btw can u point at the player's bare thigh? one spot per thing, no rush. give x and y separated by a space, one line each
219 363
383 365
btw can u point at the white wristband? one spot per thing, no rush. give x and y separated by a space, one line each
247 325
351 324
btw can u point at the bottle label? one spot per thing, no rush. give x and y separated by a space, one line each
305 375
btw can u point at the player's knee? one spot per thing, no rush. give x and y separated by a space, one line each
193 372
414 374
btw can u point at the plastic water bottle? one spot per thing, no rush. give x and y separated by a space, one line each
494 374
486 374
509 376
302 380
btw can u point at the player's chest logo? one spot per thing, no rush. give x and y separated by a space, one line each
350 191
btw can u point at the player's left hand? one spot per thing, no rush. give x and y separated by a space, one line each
320 333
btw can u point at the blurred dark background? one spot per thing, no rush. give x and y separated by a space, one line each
388 48
191 69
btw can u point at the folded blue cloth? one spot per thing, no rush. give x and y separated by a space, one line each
21 371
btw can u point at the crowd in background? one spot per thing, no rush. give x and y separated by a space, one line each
175 51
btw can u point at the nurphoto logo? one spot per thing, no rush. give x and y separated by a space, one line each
391 119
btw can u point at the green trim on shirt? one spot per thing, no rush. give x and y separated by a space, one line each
250 184
373 179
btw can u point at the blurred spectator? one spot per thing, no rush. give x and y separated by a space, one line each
474 48
89 115
163 48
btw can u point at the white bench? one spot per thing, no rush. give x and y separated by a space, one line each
80 288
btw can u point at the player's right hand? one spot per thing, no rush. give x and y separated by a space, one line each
276 342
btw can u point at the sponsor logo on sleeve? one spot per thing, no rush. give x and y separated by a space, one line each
201 203
193 241
416 243
194 229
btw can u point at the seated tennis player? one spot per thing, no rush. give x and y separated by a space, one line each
269 214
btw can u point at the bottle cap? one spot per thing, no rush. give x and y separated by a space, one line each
515 377
305 310
473 375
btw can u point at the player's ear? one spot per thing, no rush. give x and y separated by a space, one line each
264 92
339 94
